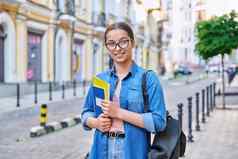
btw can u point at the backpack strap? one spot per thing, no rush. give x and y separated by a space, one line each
145 94
144 91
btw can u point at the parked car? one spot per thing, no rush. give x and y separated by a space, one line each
182 70
213 68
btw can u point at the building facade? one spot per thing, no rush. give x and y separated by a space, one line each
62 40
179 32
45 40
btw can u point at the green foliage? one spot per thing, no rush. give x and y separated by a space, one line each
218 35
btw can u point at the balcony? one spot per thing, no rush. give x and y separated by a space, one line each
99 19
111 18
66 7
70 7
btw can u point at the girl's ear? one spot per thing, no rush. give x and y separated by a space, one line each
133 43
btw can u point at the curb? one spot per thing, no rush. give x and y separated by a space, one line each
54 126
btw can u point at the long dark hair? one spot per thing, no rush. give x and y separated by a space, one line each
122 26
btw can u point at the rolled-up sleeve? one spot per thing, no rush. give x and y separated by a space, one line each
88 108
85 117
156 115
148 122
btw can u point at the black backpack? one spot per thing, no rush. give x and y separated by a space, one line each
170 143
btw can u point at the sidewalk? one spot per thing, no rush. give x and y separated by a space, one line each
234 83
218 137
10 103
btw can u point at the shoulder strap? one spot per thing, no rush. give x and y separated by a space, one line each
144 91
145 94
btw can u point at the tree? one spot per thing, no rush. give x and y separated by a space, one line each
217 36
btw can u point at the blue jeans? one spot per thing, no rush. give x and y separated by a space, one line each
116 148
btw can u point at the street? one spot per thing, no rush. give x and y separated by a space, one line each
51 50
74 142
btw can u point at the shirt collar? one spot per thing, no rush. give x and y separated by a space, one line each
132 69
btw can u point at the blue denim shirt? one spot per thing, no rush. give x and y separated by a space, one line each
137 140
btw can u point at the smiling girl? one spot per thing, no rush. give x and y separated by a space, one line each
122 128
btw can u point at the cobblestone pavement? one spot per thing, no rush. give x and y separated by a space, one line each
71 143
66 144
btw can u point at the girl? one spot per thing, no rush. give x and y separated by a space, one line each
122 128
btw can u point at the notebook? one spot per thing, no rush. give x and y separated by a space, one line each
101 90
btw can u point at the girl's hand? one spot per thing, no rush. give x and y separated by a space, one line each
110 108
104 123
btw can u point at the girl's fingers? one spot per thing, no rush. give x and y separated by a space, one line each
106 113
108 128
104 108
106 120
106 125
105 116
105 101
105 104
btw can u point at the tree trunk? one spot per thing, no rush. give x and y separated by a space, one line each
223 83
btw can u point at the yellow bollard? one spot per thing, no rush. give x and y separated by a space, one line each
43 115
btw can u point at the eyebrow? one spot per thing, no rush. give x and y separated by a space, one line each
127 38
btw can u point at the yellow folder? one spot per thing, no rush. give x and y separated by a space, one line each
103 85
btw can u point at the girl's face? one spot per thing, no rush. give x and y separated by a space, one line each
119 45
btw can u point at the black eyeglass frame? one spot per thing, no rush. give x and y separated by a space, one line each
118 44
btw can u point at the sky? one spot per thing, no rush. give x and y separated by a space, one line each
214 7
141 14
219 7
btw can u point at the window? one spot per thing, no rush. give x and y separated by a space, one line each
70 7
77 59
82 7
61 5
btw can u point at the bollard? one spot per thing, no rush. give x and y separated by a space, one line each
190 136
18 95
180 115
43 115
84 87
50 91
63 88
36 91
208 111
197 112
214 94
203 106
74 87
211 105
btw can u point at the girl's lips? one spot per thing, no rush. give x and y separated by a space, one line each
120 54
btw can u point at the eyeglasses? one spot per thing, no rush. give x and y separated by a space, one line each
123 44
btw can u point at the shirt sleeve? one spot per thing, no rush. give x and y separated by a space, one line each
155 118
88 108
148 122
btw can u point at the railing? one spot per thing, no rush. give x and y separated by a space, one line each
66 7
70 7
99 19
204 103
75 88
